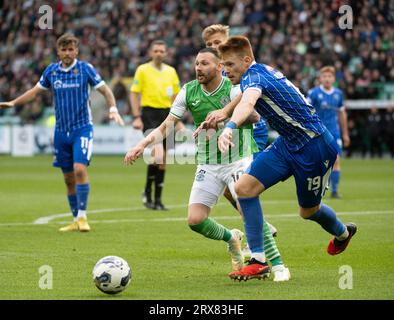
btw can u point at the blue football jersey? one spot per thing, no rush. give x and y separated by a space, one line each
71 88
283 106
327 105
260 131
260 134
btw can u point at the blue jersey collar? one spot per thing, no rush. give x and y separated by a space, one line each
331 91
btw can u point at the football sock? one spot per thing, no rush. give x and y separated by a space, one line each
328 220
82 214
150 177
82 196
335 176
211 229
254 227
259 256
276 261
159 182
72 201
270 248
234 204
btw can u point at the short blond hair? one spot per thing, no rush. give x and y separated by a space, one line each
329 69
215 28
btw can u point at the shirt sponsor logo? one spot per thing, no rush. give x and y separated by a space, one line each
59 85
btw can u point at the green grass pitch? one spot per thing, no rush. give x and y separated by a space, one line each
168 260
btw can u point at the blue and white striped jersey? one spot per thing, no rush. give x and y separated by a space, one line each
71 88
327 105
260 131
283 106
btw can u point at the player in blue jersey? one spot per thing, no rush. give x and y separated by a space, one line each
328 102
70 81
305 150
213 36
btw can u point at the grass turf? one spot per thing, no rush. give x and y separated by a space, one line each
168 260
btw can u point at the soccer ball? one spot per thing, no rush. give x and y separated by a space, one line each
111 274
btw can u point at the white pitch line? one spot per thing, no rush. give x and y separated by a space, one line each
233 217
47 219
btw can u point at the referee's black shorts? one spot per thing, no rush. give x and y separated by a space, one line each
153 117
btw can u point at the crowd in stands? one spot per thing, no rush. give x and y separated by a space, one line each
296 36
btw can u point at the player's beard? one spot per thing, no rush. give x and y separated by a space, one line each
205 78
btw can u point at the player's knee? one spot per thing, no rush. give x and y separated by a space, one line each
244 190
197 213
194 219
306 213
80 173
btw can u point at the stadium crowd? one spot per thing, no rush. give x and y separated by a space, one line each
296 36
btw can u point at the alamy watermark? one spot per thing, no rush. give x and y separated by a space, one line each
45 281
346 20
181 147
346 279
46 19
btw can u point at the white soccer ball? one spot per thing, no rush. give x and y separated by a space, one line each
111 274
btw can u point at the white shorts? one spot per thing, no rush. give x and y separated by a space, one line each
211 179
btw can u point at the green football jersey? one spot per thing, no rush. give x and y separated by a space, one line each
200 103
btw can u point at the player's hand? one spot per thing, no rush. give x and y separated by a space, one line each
138 124
346 141
225 140
5 105
116 117
215 117
205 125
133 154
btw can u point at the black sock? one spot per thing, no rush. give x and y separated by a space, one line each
159 182
234 203
150 177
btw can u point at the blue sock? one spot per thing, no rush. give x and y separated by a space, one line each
82 195
335 176
72 201
253 222
328 220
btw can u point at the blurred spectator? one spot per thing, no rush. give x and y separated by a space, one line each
357 136
121 95
389 129
374 128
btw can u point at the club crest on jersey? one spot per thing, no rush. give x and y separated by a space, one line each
200 175
75 71
225 101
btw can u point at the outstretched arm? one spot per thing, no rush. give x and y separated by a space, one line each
241 112
28 96
111 103
342 118
157 135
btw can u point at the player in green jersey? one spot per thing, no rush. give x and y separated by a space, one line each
210 91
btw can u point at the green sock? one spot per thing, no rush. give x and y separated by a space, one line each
211 229
271 250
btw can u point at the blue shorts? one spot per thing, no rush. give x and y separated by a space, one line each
72 147
311 167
